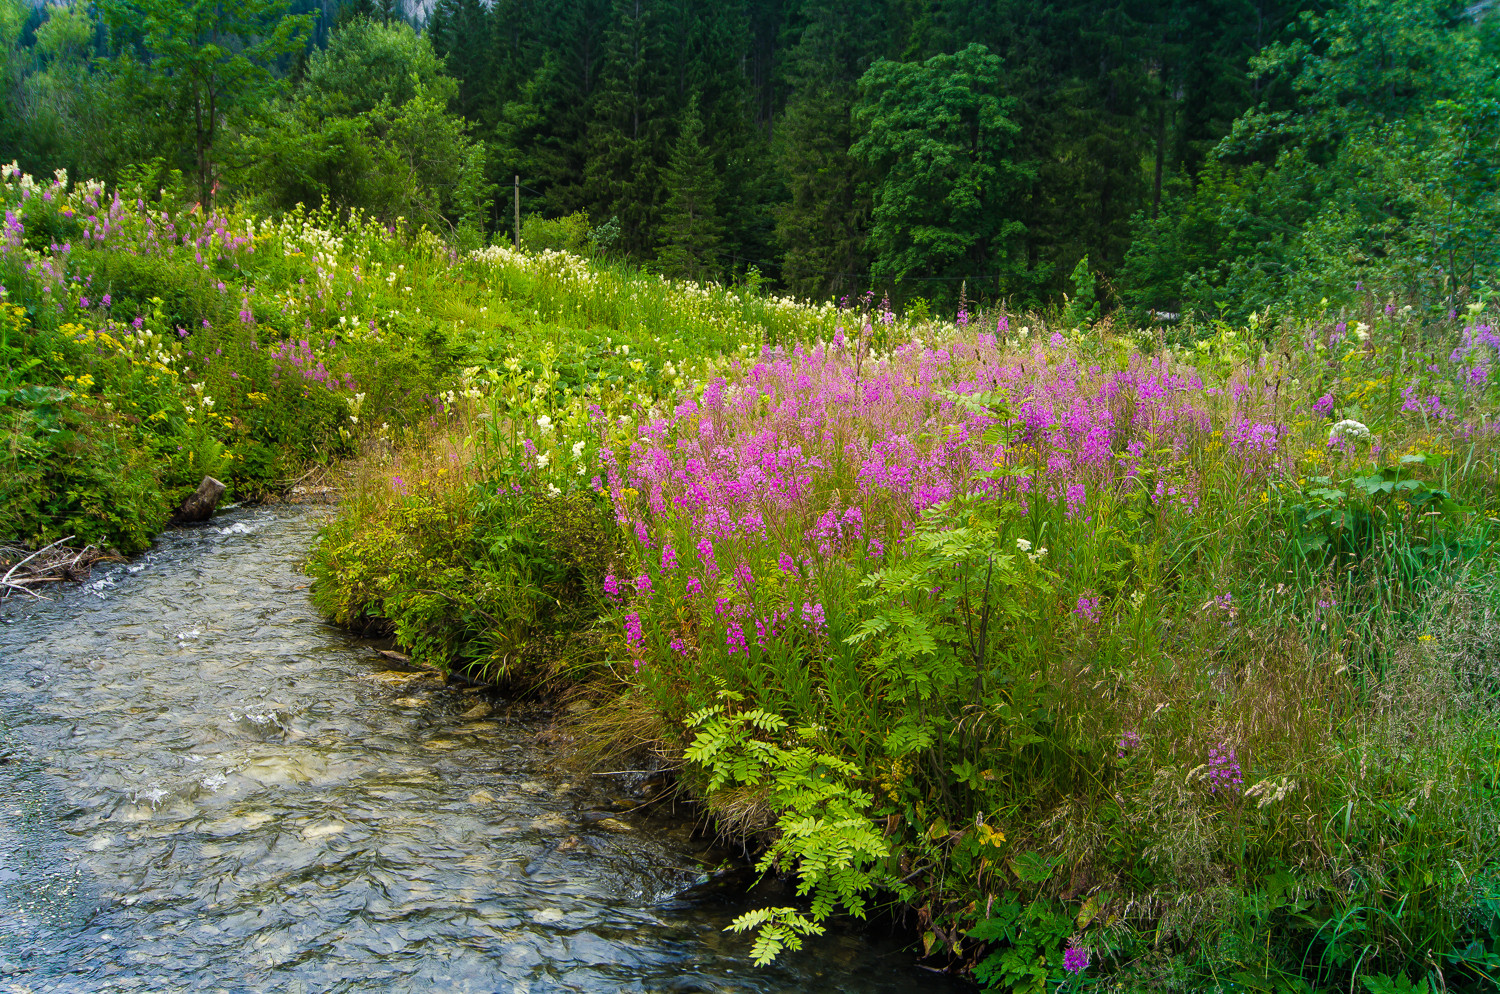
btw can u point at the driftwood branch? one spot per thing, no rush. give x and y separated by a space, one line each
52 563
12 572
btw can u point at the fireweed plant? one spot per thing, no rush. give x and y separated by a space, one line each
1100 658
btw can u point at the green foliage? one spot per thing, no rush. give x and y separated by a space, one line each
1028 937
940 142
501 588
1399 984
370 129
368 62
214 59
564 234
1366 180
825 837
1083 305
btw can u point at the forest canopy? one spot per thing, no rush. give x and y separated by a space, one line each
1216 157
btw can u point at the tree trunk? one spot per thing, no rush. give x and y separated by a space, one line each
1161 156
201 503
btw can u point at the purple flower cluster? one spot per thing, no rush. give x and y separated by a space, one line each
300 360
757 483
1223 769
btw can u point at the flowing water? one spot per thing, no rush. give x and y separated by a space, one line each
204 788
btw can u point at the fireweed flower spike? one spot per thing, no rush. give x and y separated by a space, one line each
1223 769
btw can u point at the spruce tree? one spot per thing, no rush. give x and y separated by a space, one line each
628 133
691 229
822 229
352 10
467 24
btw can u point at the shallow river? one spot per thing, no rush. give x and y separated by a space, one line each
205 788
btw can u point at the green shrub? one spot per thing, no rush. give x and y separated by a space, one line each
564 234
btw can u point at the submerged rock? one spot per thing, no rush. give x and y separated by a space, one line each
613 825
406 680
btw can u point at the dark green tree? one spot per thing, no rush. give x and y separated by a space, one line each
938 140
459 31
823 224
214 61
353 10
628 135
691 229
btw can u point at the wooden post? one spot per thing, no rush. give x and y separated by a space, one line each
518 212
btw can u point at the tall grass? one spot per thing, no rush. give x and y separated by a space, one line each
1167 661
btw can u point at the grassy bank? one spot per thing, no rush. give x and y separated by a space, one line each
146 343
1110 660
1110 657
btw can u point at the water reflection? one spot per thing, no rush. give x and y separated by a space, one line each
204 788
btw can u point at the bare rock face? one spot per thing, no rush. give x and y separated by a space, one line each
201 503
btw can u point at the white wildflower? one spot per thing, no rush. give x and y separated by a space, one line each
1349 429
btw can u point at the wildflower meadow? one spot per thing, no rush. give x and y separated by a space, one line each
1101 656
1090 654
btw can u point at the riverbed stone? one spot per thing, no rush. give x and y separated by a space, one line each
613 825
405 679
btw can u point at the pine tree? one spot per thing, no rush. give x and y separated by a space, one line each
691 228
467 47
822 229
352 10
627 134
436 28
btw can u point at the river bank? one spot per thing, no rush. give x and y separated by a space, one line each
1125 662
216 791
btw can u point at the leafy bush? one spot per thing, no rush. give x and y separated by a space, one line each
564 234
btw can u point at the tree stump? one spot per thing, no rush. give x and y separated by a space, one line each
201 503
